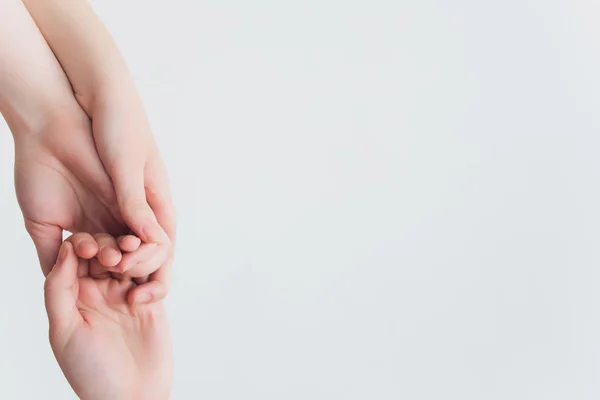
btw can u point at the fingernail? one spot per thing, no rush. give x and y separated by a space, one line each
122 267
143 298
153 233
62 254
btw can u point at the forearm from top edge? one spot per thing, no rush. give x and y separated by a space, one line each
84 48
32 84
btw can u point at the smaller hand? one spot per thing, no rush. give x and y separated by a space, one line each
107 347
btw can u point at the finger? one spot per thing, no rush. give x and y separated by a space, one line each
47 240
120 277
130 260
129 243
60 291
147 259
142 280
158 196
150 292
84 244
157 287
83 269
109 254
96 270
81 159
145 267
164 274
131 196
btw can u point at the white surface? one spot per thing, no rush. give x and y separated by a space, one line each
377 200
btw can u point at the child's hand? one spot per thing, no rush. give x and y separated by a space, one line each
108 345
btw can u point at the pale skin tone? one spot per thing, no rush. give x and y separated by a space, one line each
106 347
86 160
75 170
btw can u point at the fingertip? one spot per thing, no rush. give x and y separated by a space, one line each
62 274
87 251
143 262
109 257
85 245
65 250
66 253
129 243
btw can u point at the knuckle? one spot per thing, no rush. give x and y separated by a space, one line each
135 209
135 204
103 237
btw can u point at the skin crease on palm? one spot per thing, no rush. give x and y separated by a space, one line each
92 325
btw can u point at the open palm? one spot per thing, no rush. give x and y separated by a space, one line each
107 348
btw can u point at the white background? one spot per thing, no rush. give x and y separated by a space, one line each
377 200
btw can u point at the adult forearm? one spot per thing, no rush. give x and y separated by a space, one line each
85 50
32 85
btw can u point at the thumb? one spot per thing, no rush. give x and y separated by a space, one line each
59 289
131 196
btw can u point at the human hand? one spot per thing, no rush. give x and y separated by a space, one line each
99 81
106 348
126 146
62 184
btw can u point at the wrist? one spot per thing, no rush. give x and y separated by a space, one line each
28 120
46 122
103 89
122 106
120 92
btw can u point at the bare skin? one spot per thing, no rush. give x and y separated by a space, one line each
75 171
121 131
106 347
68 178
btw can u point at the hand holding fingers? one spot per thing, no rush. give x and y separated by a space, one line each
157 287
109 253
146 260
84 245
129 243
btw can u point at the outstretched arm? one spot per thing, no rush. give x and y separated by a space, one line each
35 99
121 130
60 181
104 89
